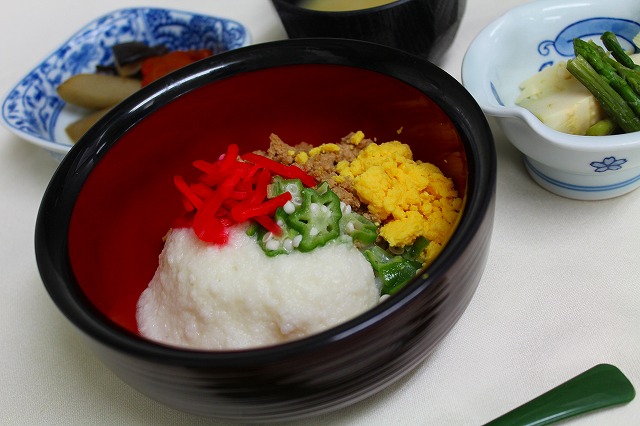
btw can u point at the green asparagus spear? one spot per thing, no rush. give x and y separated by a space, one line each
632 79
612 61
600 63
613 104
610 41
632 76
604 127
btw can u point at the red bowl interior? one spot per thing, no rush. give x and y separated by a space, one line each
128 201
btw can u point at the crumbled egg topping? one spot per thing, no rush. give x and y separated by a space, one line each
356 138
411 198
301 157
325 147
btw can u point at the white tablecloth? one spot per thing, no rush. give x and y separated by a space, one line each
561 292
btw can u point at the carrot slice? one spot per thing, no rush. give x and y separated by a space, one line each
158 66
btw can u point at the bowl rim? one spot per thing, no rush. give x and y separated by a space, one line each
50 237
292 6
472 65
62 148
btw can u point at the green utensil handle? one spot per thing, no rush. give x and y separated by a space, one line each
601 386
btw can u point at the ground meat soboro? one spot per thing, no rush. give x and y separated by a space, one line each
320 162
406 198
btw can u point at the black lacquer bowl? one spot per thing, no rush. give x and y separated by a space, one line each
100 226
422 27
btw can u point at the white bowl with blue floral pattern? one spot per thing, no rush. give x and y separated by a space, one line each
516 46
33 110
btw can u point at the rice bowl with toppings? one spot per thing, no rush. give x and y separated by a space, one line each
267 252
111 202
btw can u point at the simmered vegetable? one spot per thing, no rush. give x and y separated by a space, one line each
97 91
608 80
599 60
135 64
158 66
611 42
604 127
78 128
128 56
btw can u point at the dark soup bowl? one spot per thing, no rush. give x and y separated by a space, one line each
422 27
103 217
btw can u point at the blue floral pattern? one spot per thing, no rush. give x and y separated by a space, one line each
33 106
561 46
563 43
609 163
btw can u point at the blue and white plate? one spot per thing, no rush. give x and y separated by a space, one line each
34 111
